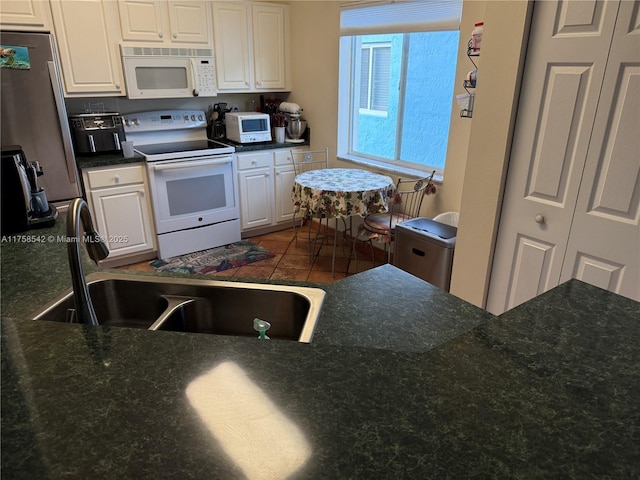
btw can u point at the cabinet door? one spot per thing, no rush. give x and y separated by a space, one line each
141 20
284 178
122 216
189 21
25 15
270 29
231 41
86 34
255 189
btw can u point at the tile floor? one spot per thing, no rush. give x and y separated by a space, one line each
291 261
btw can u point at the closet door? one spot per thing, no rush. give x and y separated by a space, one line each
565 65
604 243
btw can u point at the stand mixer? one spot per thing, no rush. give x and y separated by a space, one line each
295 125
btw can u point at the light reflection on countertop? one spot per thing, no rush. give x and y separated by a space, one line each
259 438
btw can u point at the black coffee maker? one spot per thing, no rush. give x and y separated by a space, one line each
24 203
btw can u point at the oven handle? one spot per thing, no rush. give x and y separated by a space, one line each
190 164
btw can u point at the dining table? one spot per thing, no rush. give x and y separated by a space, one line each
341 193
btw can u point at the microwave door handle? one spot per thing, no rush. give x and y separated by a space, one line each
190 164
194 76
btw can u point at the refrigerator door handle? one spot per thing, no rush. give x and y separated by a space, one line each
64 122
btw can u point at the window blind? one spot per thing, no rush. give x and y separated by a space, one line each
400 16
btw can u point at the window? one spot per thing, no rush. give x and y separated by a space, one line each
397 89
374 77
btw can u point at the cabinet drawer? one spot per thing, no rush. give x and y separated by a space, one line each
283 157
111 177
255 160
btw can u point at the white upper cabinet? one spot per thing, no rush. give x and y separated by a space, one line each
25 15
251 46
165 22
231 40
270 41
87 39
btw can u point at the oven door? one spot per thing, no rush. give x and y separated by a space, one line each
193 192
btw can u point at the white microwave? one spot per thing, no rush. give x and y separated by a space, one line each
156 72
248 127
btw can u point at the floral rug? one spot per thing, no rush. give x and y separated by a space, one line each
214 259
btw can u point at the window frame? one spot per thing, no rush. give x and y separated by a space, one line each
348 94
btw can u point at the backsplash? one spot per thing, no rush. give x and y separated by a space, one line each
243 101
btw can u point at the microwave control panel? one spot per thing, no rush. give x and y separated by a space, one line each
204 74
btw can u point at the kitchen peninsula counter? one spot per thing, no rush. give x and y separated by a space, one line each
402 380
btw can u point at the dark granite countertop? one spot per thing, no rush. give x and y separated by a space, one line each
256 147
106 160
402 380
109 159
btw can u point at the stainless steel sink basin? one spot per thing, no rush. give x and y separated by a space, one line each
197 306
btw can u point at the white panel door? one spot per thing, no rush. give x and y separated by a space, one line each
565 65
604 244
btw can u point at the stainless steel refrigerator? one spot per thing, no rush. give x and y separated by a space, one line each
33 110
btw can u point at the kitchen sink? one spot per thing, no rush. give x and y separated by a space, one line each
195 306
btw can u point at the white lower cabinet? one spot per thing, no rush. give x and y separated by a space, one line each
121 210
256 193
285 175
265 180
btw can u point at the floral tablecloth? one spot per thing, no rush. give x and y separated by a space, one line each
342 192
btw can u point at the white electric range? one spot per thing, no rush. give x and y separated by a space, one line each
193 181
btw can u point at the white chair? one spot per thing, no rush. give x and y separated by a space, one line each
304 161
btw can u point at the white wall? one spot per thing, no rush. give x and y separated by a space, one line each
315 30
315 51
503 50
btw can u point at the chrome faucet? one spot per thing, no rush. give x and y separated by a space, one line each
97 250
